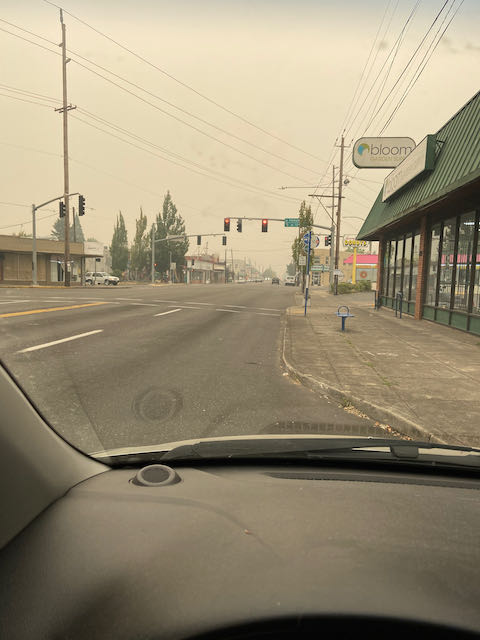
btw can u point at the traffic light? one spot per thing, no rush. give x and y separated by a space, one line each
224 240
81 206
328 240
226 224
239 225
61 207
199 239
264 225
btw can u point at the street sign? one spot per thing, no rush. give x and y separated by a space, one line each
302 261
291 222
355 243
381 153
306 239
338 273
318 267
314 243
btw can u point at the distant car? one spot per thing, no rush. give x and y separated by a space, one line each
100 277
290 281
275 280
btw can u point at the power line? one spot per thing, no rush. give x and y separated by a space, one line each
184 84
16 35
258 190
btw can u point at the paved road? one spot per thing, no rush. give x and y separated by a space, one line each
148 365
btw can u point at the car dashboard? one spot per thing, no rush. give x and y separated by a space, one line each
248 550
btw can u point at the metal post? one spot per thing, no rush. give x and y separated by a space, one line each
34 247
354 272
153 254
332 235
308 270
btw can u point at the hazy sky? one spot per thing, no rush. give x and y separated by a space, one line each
291 67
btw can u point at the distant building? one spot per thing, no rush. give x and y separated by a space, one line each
204 269
367 265
16 260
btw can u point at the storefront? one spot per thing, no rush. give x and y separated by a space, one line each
16 261
427 219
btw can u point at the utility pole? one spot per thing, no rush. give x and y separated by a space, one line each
34 247
339 212
64 110
332 253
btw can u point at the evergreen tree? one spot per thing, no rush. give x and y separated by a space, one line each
119 246
76 233
140 251
170 223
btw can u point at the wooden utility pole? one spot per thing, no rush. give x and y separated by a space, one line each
339 212
66 189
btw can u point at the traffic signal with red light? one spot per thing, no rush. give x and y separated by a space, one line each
328 240
264 225
81 206
226 224
239 225
61 209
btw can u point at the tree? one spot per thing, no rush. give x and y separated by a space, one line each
76 232
119 247
291 269
269 273
305 224
140 251
170 223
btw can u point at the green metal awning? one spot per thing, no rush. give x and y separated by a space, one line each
457 163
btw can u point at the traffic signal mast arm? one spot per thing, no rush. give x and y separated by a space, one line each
317 226
190 235
39 206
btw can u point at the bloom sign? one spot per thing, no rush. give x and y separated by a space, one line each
381 153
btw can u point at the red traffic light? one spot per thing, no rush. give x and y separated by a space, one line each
264 225
226 224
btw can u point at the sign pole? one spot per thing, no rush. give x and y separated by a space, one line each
308 271
354 273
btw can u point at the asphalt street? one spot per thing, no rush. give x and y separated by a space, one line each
141 365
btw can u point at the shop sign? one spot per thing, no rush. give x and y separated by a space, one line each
381 153
421 159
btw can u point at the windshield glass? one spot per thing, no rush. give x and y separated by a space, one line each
242 219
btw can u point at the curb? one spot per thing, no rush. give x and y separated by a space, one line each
372 410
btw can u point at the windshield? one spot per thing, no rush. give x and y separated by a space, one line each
225 219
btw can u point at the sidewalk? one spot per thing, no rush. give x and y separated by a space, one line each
421 378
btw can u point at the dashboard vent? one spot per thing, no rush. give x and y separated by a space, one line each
156 475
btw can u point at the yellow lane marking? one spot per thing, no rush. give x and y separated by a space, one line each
49 309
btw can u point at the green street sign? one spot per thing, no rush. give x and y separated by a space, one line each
291 222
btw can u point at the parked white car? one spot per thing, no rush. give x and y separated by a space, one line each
290 281
100 277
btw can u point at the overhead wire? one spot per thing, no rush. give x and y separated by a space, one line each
184 84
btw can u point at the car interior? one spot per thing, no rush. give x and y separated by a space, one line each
227 548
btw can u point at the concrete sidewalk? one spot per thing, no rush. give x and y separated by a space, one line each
421 378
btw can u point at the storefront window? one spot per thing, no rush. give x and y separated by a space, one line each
398 267
391 268
447 263
433 266
416 249
476 283
466 232
386 256
406 268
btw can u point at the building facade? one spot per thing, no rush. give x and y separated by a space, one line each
427 219
16 256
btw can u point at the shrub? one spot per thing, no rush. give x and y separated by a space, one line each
348 287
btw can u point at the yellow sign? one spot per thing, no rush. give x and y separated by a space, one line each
356 243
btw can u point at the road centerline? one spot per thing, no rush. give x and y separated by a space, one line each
50 309
51 344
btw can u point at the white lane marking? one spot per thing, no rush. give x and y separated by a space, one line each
166 301
275 315
164 313
130 299
265 309
229 310
144 304
237 306
15 301
181 307
51 344
194 302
